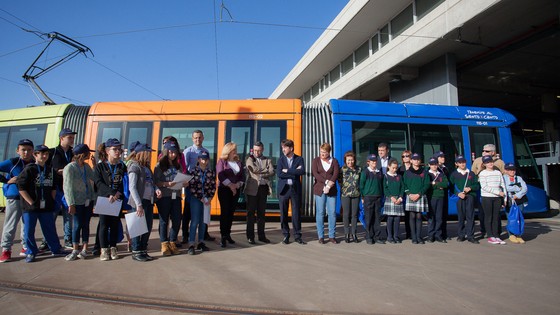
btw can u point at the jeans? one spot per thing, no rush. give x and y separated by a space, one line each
12 216
169 209
197 220
46 219
81 224
185 221
325 203
140 243
60 205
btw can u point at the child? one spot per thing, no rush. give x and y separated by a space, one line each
416 183
493 192
13 167
517 191
36 184
394 190
465 185
436 199
371 188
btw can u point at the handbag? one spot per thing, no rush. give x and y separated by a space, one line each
516 222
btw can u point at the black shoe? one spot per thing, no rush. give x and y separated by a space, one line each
251 241
43 246
223 242
191 251
185 240
96 252
202 247
380 241
370 242
264 240
398 240
347 238
139 257
414 242
230 240
148 257
178 244
431 239
300 241
460 239
356 239
321 241
441 240
286 240
421 241
474 241
209 238
449 238
391 241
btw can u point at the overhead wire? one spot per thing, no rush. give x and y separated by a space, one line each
73 100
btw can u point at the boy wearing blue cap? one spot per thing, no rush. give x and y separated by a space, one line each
464 185
436 194
13 167
371 188
37 186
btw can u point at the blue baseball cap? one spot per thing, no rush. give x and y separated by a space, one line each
65 132
372 157
81 148
142 147
112 142
25 142
170 145
439 154
460 159
487 159
132 146
41 148
510 166
433 161
415 156
204 155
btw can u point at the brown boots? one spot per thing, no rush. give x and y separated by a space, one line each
169 248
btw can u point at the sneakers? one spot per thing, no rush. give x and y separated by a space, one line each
492 240
30 258
114 254
60 253
202 247
513 239
499 240
43 246
23 252
190 251
139 256
520 240
72 256
104 256
68 244
6 255
83 254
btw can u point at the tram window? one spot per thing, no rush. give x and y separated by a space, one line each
107 131
137 131
526 165
429 139
182 130
35 133
368 135
480 136
4 150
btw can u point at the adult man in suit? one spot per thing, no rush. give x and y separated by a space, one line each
257 189
289 170
383 157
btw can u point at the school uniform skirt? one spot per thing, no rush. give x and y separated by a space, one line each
391 208
420 205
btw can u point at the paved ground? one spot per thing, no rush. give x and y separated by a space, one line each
453 278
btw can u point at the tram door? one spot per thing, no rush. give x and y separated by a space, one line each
245 133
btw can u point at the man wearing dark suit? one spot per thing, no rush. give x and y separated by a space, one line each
289 170
383 157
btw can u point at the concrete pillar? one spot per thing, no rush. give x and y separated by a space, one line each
436 84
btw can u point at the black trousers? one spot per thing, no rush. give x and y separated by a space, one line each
256 204
465 212
492 207
106 223
435 218
350 208
228 204
289 194
372 217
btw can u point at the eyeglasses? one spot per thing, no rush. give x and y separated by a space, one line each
486 151
406 155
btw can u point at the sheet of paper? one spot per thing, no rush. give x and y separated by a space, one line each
180 178
103 206
136 225
206 218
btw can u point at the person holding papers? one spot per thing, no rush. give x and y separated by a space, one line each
109 180
142 191
169 205
202 187
79 194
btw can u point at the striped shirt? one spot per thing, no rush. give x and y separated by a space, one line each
491 183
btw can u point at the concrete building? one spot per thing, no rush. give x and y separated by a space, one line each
493 53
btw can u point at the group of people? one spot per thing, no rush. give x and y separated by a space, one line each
410 190
40 182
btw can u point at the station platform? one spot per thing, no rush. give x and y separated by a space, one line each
355 278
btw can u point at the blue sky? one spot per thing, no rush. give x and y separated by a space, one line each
153 50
